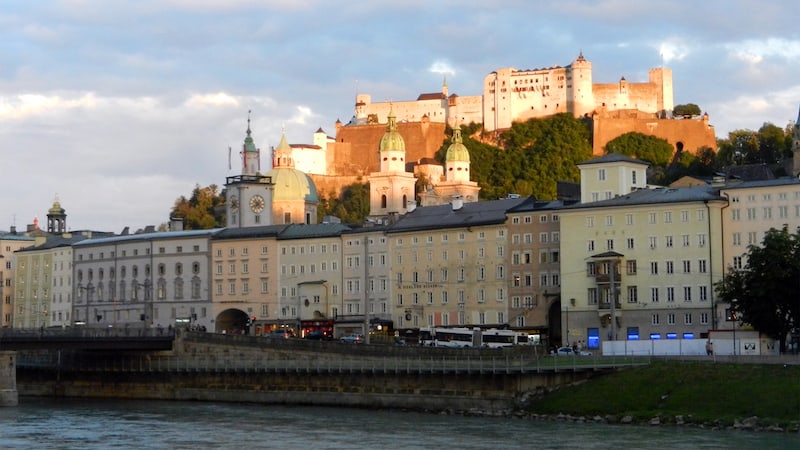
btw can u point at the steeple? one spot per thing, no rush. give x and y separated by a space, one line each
457 159
251 156
444 86
56 218
282 157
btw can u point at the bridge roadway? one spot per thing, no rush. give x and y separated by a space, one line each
117 339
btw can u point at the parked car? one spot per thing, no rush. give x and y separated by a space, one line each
354 338
568 351
280 334
318 335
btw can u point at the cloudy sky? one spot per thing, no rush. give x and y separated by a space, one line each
117 108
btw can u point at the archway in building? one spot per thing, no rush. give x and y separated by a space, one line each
554 319
232 321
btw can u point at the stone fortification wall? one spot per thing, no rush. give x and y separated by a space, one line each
686 134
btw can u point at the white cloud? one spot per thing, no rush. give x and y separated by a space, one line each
672 50
217 99
442 67
755 51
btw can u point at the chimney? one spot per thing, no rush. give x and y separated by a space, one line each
175 224
457 202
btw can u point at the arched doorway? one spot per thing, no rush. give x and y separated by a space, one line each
232 321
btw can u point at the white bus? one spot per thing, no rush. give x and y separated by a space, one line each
450 337
501 338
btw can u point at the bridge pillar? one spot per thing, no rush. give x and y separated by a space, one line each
8 379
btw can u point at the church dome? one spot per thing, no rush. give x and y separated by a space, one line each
457 150
292 184
392 140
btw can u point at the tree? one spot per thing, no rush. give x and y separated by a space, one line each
203 210
689 109
649 148
764 293
351 206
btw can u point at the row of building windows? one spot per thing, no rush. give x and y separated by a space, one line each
601 296
652 218
766 213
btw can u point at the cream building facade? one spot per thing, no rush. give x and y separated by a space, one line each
450 265
535 267
755 207
9 244
143 280
657 251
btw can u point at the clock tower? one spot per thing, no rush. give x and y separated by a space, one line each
248 197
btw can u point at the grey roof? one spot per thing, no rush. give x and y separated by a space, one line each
531 204
249 232
613 157
443 216
784 181
655 196
55 241
15 237
148 236
306 231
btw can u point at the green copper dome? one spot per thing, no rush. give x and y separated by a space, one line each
249 145
457 150
391 140
292 184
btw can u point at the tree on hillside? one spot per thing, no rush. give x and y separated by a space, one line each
656 151
351 206
772 146
688 109
203 210
741 147
764 293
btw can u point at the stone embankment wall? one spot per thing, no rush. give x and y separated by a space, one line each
8 379
247 369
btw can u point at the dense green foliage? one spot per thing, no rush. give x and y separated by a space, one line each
535 155
764 293
654 150
203 210
688 109
351 206
701 392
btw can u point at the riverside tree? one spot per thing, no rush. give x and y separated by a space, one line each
764 293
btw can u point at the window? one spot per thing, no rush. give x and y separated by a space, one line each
654 294
651 218
590 245
687 266
670 267
686 240
653 267
601 174
609 221
653 240
670 294
609 244
701 266
687 293
668 241
592 296
703 293
630 242
628 219
667 216
737 239
737 262
631 266
633 294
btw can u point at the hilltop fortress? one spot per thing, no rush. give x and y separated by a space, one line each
511 95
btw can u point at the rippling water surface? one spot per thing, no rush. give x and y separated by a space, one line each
90 424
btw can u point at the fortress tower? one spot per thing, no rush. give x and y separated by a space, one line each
580 97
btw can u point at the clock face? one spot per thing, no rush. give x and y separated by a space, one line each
257 203
234 203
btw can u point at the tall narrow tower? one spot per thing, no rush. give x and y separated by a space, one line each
392 190
56 218
580 94
248 197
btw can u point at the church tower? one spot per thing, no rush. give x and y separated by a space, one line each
248 197
392 190
56 218
796 147
456 185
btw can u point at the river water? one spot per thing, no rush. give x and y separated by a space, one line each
91 424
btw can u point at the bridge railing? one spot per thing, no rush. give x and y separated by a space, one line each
10 334
420 365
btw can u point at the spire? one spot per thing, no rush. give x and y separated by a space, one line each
283 153
251 156
444 85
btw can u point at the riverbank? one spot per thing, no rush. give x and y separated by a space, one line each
699 393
